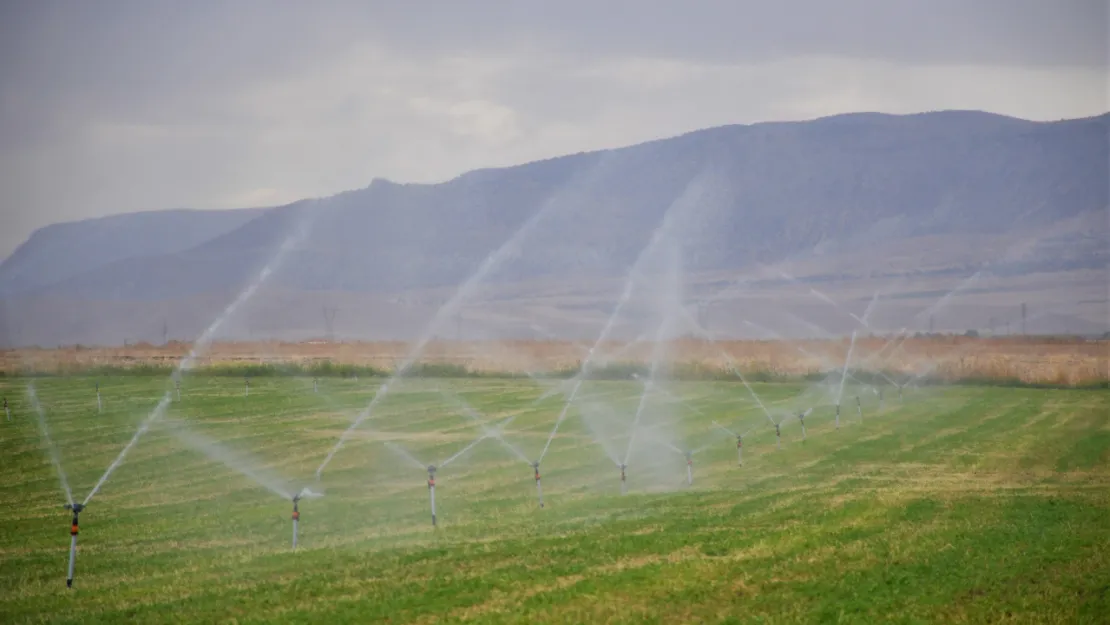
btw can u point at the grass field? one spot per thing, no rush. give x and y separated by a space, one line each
959 504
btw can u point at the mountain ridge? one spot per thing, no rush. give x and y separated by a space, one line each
744 194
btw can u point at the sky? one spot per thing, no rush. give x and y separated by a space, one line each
118 106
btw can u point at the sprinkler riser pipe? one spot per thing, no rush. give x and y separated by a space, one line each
689 475
295 533
432 494
539 492
838 416
739 454
72 560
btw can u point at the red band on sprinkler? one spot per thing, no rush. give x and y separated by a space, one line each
296 515
73 530
431 482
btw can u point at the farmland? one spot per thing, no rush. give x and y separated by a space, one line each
956 504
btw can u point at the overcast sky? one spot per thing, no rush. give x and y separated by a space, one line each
111 106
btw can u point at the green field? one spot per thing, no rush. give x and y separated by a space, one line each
960 504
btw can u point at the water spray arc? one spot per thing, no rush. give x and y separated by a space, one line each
205 338
160 409
509 249
51 450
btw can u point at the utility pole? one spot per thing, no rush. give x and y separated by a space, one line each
329 323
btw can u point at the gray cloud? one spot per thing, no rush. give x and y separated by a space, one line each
120 106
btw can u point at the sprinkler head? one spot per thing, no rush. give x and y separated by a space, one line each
689 456
76 507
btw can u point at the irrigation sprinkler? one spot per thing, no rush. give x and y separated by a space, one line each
689 467
838 415
177 387
859 408
802 421
778 436
7 411
246 386
99 404
624 485
296 518
432 490
739 444
76 508
539 489
899 392
880 400
315 385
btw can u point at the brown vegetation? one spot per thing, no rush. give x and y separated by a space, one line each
1042 360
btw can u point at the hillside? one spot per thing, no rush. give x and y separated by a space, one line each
848 191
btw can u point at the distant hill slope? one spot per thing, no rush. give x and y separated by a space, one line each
732 196
60 251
